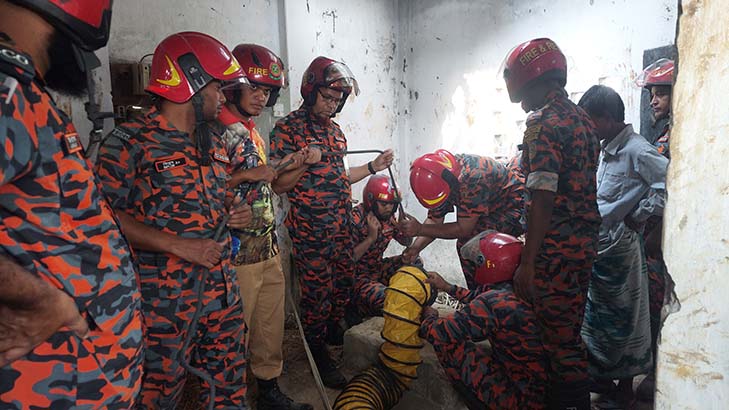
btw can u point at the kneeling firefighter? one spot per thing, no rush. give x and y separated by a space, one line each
511 375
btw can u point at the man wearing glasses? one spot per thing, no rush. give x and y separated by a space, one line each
321 207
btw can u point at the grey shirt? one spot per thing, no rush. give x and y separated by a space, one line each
631 181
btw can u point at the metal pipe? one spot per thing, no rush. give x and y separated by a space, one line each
389 169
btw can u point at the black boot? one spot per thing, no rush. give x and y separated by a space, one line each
569 396
270 397
330 376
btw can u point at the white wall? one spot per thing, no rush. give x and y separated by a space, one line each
455 96
693 368
139 25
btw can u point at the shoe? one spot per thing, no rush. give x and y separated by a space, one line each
647 388
270 397
330 375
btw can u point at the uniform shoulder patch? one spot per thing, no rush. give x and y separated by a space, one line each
532 132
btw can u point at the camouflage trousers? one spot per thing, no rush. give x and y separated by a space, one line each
368 294
217 345
474 370
560 296
324 264
103 371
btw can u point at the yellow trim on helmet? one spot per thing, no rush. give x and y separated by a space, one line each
175 79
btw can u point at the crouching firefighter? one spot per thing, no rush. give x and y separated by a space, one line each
374 225
165 175
512 375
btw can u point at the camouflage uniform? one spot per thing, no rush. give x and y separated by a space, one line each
319 221
56 224
372 271
487 191
512 375
659 280
153 172
561 151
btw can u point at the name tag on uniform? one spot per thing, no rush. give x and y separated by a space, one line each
169 164
221 157
72 143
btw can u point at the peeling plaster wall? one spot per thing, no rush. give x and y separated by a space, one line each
454 96
693 367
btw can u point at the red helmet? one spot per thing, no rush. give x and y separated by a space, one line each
325 72
263 67
379 188
536 59
658 73
433 177
496 254
184 63
85 22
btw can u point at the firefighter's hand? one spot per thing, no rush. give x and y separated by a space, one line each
262 173
204 252
524 281
409 226
313 155
22 328
383 160
437 281
429 312
240 216
297 159
373 225
410 255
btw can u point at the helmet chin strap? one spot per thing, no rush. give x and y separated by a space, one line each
202 131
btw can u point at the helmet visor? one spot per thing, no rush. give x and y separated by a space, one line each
339 77
471 250
658 73
234 83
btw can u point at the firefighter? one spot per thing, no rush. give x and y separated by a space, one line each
657 78
484 193
165 175
511 373
321 208
561 150
374 225
70 326
255 253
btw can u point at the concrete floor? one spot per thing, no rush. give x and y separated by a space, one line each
298 383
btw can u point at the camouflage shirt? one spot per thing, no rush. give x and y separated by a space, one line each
488 190
54 220
561 150
324 189
153 171
371 263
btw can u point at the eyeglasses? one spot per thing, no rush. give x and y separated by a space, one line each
258 88
329 99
